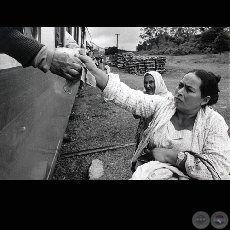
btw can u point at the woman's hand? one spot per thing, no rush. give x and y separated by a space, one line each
100 76
86 60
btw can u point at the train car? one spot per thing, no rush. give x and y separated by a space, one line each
34 110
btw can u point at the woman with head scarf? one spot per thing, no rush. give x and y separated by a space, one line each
153 84
186 138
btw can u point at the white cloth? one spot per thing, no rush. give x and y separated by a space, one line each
86 76
210 138
155 170
69 41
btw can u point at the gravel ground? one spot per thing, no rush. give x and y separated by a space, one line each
116 165
94 123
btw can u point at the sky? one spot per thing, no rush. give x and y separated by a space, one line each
105 37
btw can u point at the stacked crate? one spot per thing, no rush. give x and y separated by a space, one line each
150 64
141 64
126 64
120 61
131 67
160 64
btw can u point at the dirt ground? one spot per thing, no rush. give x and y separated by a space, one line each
94 123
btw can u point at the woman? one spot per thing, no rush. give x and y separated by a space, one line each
153 84
185 134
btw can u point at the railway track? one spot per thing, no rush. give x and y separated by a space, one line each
95 150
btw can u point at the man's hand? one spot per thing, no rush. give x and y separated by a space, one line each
66 64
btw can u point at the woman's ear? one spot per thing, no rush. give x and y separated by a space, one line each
205 100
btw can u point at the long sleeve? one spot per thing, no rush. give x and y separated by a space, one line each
131 100
216 149
18 46
43 59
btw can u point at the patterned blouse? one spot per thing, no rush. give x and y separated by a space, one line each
209 138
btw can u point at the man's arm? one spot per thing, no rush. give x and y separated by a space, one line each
18 46
30 52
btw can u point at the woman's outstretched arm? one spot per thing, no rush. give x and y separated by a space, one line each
119 93
100 76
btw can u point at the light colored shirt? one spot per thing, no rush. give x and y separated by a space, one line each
210 137
173 139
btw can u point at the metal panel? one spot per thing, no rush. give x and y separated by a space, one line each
34 113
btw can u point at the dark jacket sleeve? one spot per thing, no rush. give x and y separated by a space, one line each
18 46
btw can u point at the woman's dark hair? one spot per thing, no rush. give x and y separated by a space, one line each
209 84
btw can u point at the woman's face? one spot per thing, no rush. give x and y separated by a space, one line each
188 95
149 84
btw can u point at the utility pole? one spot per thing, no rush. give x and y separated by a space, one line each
117 42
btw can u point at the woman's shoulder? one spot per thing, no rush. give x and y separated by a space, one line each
213 115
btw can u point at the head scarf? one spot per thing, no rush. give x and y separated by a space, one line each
160 87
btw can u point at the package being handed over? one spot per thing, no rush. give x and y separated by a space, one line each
66 64
70 55
65 61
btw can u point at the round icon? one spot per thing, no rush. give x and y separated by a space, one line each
201 220
219 220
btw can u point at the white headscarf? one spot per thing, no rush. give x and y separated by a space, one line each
160 87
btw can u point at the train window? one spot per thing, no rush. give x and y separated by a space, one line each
33 32
59 36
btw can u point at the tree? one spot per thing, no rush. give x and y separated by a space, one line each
187 32
222 42
111 50
213 37
160 35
